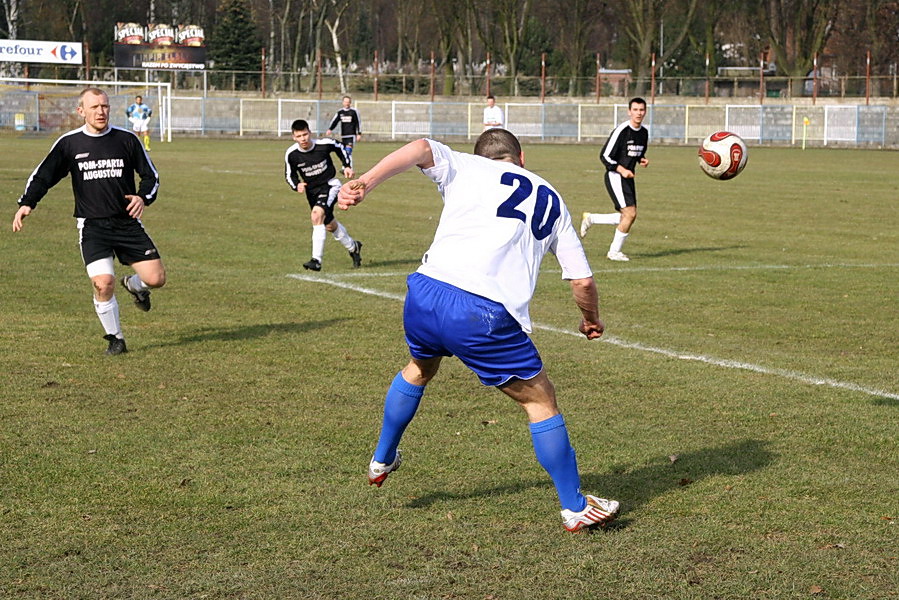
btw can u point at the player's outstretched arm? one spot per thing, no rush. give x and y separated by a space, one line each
23 212
587 299
414 154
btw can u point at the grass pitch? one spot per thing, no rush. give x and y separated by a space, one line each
743 407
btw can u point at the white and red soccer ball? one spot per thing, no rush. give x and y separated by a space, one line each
722 155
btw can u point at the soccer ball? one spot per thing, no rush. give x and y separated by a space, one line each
722 155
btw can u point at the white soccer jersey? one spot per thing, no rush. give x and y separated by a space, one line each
493 114
498 222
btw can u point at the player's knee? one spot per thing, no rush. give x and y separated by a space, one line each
103 287
155 278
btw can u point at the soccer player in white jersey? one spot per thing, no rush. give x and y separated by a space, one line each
470 296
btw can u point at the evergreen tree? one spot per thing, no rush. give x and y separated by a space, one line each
235 43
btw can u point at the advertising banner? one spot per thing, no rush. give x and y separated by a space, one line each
191 35
160 34
129 33
68 53
159 46
151 56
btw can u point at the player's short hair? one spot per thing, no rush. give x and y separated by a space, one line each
637 100
299 125
491 97
347 98
91 90
138 97
499 144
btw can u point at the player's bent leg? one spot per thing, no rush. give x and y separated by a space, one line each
107 307
151 272
628 216
148 274
556 455
400 405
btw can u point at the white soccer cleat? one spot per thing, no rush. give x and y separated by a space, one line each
585 223
619 256
598 511
378 471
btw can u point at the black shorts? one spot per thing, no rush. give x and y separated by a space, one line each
622 191
122 237
324 196
348 141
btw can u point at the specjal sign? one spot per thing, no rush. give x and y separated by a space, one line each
68 53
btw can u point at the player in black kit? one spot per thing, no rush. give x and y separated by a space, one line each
350 126
308 168
102 161
624 150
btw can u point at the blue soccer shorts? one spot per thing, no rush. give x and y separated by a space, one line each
443 320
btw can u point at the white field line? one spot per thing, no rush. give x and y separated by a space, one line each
719 362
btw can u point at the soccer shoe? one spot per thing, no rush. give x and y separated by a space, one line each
116 345
356 254
585 223
598 511
619 256
378 471
141 299
313 265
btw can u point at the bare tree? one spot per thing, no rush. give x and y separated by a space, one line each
333 24
11 12
797 30
644 19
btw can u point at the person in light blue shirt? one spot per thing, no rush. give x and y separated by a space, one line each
139 114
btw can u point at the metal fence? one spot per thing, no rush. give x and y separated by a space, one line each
776 124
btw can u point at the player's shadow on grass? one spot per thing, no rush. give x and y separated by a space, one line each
679 251
249 332
411 263
885 401
635 486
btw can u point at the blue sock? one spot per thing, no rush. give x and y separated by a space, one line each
399 407
555 454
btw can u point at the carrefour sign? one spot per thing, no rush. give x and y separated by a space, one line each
68 53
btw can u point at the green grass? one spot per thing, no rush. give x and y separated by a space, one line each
224 457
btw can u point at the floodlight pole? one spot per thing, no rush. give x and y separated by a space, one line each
868 78
433 75
706 77
488 73
814 79
376 75
762 78
652 81
542 76
598 79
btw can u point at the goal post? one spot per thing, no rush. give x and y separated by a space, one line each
49 104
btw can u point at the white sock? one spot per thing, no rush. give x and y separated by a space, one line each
341 235
605 219
136 284
319 235
617 241
109 316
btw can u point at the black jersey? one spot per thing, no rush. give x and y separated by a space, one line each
625 147
349 120
102 167
313 166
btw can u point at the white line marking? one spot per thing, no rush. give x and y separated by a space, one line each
719 362
347 286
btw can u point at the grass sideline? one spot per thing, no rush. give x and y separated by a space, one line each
225 455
